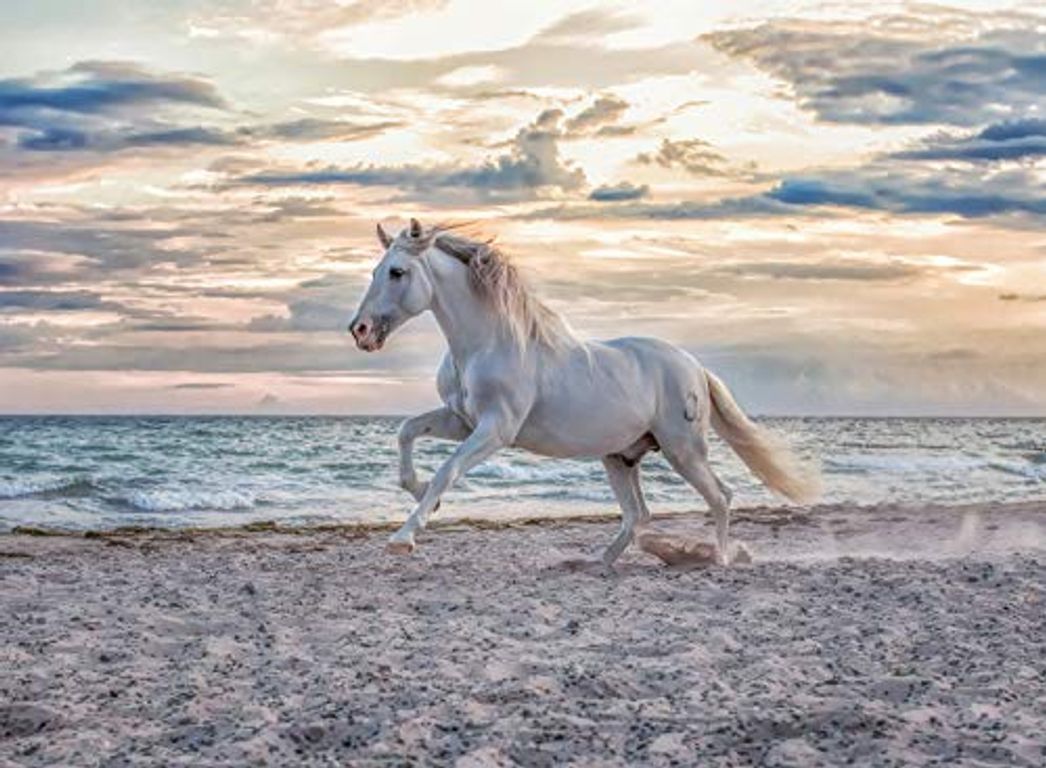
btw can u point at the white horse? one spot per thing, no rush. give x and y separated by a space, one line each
515 375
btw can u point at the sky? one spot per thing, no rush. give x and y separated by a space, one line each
838 207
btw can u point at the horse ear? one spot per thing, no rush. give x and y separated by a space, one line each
415 228
383 236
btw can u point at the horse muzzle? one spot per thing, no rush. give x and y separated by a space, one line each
370 335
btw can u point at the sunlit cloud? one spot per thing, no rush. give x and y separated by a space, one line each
839 208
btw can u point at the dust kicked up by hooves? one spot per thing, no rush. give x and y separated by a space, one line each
678 550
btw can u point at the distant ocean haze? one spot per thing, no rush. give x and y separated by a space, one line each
100 472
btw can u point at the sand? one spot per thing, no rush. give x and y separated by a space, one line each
878 637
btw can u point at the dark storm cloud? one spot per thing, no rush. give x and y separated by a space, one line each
1009 140
532 163
933 66
612 193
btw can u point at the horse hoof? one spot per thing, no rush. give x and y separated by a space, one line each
399 547
742 555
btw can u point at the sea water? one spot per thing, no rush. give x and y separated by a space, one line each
101 472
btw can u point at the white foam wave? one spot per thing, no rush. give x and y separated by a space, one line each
182 500
546 472
902 463
14 488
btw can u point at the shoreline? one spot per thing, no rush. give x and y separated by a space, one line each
771 515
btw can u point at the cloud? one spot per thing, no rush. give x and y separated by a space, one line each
694 156
296 208
59 301
307 314
823 270
727 208
625 190
106 107
582 26
1007 140
302 21
93 87
568 54
880 187
532 165
319 304
303 130
911 191
604 111
102 105
930 66
101 249
1030 297
318 129
73 140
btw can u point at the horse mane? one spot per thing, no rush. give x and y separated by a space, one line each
496 281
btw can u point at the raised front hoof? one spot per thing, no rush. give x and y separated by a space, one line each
400 545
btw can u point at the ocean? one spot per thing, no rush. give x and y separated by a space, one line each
91 473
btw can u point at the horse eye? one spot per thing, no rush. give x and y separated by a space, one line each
397 272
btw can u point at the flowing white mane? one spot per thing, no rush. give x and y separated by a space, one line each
496 280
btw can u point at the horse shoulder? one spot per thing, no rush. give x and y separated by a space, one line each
497 382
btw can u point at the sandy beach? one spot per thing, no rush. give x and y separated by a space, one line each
884 636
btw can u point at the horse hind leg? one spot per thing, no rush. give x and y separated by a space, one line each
687 452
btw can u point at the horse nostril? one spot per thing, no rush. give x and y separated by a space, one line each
360 330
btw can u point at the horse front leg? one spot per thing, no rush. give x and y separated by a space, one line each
489 435
441 423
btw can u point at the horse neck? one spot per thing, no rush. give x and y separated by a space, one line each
466 322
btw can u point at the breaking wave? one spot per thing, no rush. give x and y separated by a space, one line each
16 488
184 500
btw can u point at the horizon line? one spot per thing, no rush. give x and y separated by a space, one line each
405 415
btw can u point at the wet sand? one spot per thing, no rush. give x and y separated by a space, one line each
881 637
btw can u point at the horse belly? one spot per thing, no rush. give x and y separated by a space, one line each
586 426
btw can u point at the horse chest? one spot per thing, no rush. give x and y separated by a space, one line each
457 401
455 394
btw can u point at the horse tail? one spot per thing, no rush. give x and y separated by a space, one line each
769 458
